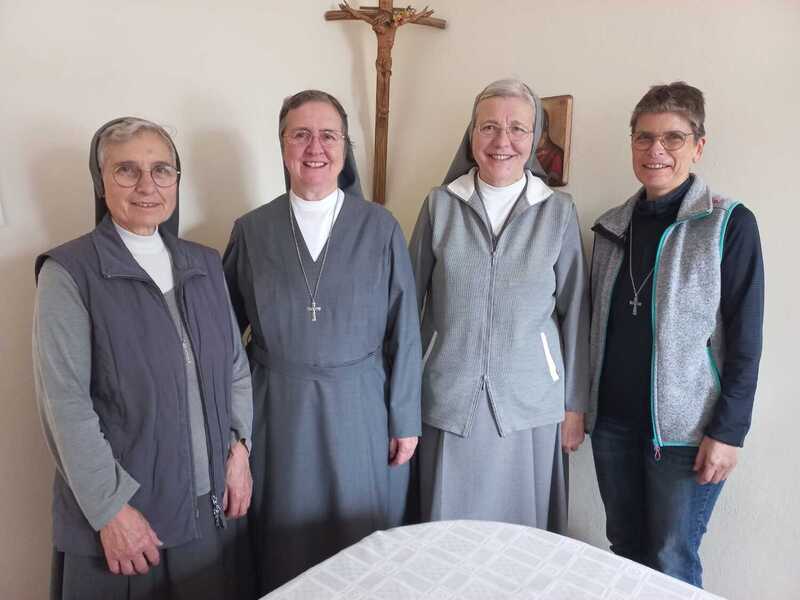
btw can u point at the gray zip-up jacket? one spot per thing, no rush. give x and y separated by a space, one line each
512 319
687 327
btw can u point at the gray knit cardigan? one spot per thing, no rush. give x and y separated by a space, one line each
513 321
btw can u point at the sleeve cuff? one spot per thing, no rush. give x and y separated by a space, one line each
235 438
730 439
581 406
127 489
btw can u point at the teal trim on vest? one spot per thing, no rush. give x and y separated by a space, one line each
657 441
714 369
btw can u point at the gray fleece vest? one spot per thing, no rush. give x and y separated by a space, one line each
138 380
494 314
687 328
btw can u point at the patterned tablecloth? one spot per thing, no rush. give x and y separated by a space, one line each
479 560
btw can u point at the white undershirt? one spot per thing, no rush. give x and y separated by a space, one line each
314 218
500 200
151 254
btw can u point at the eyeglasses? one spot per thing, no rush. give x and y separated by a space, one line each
670 140
302 137
516 133
127 175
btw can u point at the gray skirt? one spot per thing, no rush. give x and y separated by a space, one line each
216 565
322 479
520 478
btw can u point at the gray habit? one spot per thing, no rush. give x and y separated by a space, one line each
327 394
518 478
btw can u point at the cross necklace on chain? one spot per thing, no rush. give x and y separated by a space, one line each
314 308
635 302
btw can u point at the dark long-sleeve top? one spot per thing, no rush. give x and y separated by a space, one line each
625 381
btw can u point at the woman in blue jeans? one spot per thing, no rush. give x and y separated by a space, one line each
678 296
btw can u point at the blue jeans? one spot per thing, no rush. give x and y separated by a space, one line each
656 513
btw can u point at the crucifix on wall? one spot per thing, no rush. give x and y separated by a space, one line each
385 20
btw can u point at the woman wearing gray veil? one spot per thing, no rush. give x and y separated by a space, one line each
323 280
501 284
143 389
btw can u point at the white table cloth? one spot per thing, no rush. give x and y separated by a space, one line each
479 560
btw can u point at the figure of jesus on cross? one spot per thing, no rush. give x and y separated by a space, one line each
385 20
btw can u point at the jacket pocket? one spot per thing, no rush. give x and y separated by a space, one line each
551 365
429 349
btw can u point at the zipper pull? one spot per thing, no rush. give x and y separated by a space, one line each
219 515
656 452
483 382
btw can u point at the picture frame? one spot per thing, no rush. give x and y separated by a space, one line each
553 150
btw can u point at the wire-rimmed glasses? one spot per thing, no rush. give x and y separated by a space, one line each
303 136
128 174
670 140
515 133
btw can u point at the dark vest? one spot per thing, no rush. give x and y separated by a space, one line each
138 380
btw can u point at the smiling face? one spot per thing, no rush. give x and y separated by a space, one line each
500 161
313 168
659 170
143 207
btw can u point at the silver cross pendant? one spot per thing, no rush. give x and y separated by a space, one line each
635 304
314 309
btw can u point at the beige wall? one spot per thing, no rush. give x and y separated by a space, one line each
216 73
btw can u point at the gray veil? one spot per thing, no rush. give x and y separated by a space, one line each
349 181
463 161
100 208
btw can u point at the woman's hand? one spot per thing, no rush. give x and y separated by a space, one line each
572 431
238 482
401 450
714 461
129 543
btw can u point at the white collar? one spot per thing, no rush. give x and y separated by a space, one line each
490 192
464 187
314 206
140 244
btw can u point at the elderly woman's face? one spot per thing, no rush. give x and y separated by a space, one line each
313 149
501 160
660 170
143 207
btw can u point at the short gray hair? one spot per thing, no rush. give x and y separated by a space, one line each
128 128
304 97
503 88
677 97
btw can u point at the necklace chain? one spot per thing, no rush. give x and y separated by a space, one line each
635 302
314 309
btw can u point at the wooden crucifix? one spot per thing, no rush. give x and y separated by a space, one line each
385 20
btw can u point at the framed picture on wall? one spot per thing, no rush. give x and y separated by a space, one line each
553 151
